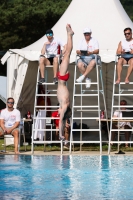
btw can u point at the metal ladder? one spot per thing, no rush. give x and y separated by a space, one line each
45 108
88 112
118 93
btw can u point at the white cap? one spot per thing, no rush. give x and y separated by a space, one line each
87 30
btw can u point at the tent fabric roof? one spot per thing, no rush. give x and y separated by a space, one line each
107 19
3 81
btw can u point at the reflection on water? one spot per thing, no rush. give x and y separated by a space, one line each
66 177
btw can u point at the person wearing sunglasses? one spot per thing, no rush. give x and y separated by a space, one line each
10 120
121 125
50 55
125 55
87 47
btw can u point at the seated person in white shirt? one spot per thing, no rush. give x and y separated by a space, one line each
125 49
10 119
49 55
86 62
123 125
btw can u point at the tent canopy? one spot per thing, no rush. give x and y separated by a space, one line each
107 20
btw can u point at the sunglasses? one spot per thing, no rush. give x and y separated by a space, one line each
10 102
49 34
127 33
87 34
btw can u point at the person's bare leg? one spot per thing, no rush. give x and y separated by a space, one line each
81 67
42 64
113 132
55 66
120 63
90 67
129 71
127 134
69 46
66 134
16 136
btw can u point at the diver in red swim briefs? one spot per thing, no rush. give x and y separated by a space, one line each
62 91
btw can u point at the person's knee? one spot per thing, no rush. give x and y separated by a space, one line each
92 63
80 65
15 133
120 61
42 61
131 61
55 60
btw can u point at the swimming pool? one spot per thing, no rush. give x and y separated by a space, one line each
66 177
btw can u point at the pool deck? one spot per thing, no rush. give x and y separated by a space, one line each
58 153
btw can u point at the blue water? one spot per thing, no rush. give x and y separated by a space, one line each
66 177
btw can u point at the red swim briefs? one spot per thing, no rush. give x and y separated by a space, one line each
64 77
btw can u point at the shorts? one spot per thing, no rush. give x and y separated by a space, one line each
50 59
126 56
64 77
1 130
87 59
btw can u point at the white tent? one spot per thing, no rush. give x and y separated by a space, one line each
107 20
3 81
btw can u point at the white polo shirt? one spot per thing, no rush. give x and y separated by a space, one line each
10 117
90 46
119 115
53 46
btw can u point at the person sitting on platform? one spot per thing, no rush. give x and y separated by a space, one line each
62 91
10 120
87 47
49 55
121 125
125 49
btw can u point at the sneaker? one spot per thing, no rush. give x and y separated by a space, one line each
80 79
88 82
42 81
66 146
55 80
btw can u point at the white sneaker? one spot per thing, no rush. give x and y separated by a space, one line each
88 82
80 79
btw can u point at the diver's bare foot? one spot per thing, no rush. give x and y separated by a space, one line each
69 29
126 81
118 81
16 152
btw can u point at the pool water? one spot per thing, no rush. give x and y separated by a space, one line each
66 177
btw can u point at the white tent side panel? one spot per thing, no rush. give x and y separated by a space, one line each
16 72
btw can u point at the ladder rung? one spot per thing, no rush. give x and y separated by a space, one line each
92 83
85 129
47 84
44 129
123 83
123 94
86 118
121 130
125 106
88 110
46 141
85 106
41 95
45 118
46 106
86 95
86 141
